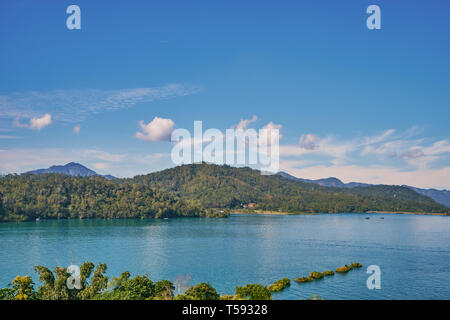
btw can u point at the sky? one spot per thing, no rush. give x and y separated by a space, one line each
362 105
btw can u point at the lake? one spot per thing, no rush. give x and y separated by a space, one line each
413 251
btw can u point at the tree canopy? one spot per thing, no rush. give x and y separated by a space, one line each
196 190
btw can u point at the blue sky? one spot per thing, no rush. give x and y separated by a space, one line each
358 104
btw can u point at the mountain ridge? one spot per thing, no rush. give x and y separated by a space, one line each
72 169
440 196
248 190
230 187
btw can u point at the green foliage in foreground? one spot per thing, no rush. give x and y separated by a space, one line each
253 292
201 291
355 265
95 285
21 288
346 268
279 285
328 273
303 279
315 275
55 196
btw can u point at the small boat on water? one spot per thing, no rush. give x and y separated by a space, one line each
38 219
367 218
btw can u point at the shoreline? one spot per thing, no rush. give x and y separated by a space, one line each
406 212
275 213
316 213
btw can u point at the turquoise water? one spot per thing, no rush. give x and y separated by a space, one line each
412 251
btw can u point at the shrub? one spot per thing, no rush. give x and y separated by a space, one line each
163 290
343 269
316 275
355 265
279 285
202 291
303 279
230 297
253 292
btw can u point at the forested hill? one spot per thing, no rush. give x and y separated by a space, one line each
191 190
225 186
48 196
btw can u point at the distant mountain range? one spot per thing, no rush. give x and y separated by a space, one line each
73 169
440 196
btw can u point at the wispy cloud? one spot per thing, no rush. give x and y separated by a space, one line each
243 124
77 129
99 155
76 105
35 123
3 136
375 174
389 157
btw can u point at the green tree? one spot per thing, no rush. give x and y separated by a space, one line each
202 291
54 284
126 288
253 292
21 288
164 290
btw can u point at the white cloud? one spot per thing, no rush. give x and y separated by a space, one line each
39 123
243 124
381 144
439 147
327 146
272 126
308 141
101 165
24 159
159 129
35 123
18 124
100 155
150 158
378 138
412 153
77 129
386 158
75 105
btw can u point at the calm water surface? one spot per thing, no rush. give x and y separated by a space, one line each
412 251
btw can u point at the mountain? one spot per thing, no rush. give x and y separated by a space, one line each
326 182
440 196
229 187
109 177
190 190
72 168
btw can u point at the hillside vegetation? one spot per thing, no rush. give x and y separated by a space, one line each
192 191
48 196
229 187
